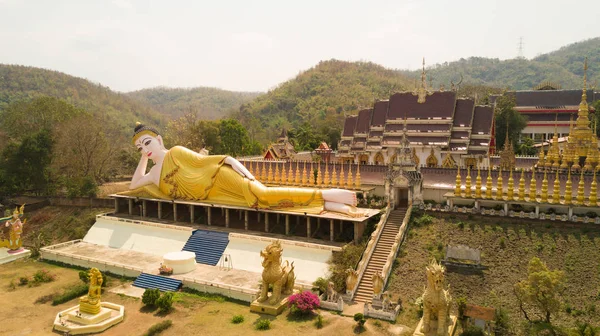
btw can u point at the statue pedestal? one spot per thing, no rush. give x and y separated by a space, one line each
433 328
7 255
75 322
266 308
87 318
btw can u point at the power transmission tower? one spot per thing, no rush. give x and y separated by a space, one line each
520 49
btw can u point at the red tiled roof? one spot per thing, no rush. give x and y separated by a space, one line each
482 120
349 125
437 105
364 121
550 98
464 112
379 113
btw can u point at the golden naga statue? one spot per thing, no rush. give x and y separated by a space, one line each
91 303
351 279
377 284
179 173
274 273
13 222
436 300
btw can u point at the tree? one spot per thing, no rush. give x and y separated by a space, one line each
505 113
526 147
541 291
234 138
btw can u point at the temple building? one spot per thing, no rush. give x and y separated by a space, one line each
281 150
547 106
443 129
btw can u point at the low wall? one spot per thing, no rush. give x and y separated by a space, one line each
234 292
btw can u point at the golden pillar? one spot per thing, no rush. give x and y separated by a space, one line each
457 192
342 177
311 174
541 160
478 183
349 181
569 190
263 173
304 175
319 175
290 177
510 189
277 177
326 177
556 190
533 188
545 188
522 186
580 190
588 164
270 174
334 181
298 180
357 181
488 183
499 186
594 192
468 184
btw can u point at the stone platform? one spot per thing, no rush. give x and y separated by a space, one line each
266 308
6 256
433 330
75 323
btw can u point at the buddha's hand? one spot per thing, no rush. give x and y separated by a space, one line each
239 168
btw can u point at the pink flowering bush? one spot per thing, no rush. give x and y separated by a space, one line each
303 303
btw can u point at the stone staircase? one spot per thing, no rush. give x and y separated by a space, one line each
364 292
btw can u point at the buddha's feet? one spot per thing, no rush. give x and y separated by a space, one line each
340 196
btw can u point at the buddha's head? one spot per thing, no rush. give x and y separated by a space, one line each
148 141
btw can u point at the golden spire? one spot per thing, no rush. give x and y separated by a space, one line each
304 175
423 90
298 180
544 198
554 146
357 181
580 190
478 183
334 181
532 188
582 130
594 192
311 174
263 173
342 177
468 184
319 175
488 180
522 186
569 190
458 185
541 160
349 181
290 177
556 190
326 177
510 189
499 186
270 174
277 177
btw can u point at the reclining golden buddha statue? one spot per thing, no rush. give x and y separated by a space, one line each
182 174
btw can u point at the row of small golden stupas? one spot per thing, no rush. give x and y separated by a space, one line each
582 142
532 195
304 176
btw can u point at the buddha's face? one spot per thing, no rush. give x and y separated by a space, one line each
150 146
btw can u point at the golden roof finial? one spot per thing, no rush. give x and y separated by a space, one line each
584 96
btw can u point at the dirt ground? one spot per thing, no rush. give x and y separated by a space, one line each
192 315
506 250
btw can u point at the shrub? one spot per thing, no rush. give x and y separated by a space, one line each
158 328
150 296
165 302
472 331
320 285
502 243
263 324
303 303
319 322
23 281
341 261
461 225
73 292
45 298
43 276
423 220
419 304
237 319
501 327
461 302
360 320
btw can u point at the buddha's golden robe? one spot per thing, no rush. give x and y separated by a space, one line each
187 175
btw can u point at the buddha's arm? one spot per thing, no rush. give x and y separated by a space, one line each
239 167
140 178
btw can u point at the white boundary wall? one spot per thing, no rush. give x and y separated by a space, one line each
136 236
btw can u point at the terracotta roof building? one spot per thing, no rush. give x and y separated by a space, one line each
281 150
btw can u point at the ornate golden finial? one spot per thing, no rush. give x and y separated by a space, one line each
290 177
326 177
510 189
522 186
334 181
342 177
541 160
499 186
298 179
263 173
458 183
304 175
532 188
488 180
556 190
357 181
569 190
478 183
468 184
311 175
594 191
423 91
349 181
580 190
544 198
277 176
319 176
583 132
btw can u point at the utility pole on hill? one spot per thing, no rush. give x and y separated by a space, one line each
520 49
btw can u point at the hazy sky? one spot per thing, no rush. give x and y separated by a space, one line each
254 45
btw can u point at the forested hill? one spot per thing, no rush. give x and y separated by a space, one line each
563 66
19 83
209 103
314 103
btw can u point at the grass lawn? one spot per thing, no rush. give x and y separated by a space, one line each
192 314
506 249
